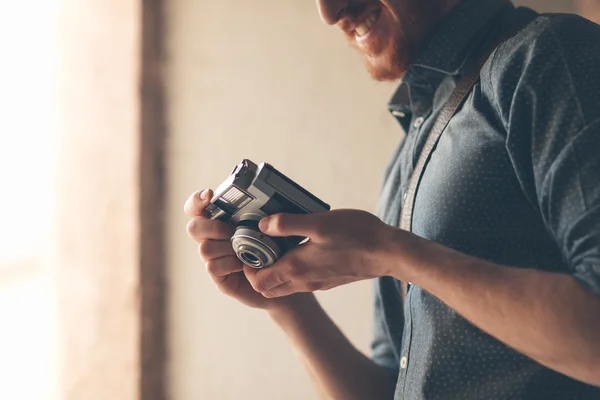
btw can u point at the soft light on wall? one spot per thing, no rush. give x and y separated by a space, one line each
28 124
28 149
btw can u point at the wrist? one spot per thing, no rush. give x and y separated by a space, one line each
402 253
292 307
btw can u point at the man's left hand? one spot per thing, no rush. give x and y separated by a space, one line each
344 246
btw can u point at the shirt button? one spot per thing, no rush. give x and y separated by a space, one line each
403 362
418 122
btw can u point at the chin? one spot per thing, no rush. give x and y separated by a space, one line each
389 66
387 52
389 47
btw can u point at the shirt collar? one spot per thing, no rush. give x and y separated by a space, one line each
447 50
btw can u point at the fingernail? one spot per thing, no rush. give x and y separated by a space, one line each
263 225
204 195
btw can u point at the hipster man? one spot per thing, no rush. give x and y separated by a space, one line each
494 291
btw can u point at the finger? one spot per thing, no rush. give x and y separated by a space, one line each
250 275
195 205
285 289
201 229
223 266
265 279
305 225
292 287
268 278
213 249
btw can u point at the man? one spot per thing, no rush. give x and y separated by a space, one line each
504 254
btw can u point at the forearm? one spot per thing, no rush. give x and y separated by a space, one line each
548 317
338 369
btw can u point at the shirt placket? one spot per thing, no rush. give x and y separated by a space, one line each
406 346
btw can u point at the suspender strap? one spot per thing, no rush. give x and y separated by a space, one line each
511 22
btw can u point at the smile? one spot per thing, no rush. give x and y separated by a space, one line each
365 27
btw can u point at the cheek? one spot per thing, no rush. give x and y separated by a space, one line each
389 34
394 11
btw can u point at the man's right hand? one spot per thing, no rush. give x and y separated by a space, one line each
214 247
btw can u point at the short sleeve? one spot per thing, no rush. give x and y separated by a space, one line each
548 96
570 202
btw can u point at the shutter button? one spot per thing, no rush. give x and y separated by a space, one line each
418 122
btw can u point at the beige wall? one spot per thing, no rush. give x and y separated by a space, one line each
263 80
589 8
97 232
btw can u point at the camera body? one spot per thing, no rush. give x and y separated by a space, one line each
250 193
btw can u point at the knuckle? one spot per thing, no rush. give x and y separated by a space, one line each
205 249
192 226
259 286
222 267
319 228
202 250
211 268
225 289
312 286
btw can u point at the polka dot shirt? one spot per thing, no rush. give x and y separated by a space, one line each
515 179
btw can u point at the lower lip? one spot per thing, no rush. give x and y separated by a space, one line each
365 37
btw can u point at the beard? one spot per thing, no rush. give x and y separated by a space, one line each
391 50
392 62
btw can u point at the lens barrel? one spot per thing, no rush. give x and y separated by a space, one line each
254 248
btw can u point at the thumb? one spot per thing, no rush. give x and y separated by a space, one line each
195 205
305 225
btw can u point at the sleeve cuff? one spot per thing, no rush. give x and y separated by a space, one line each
588 276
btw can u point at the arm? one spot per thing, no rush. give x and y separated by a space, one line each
549 317
337 369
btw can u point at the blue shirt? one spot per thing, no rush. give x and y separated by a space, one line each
515 179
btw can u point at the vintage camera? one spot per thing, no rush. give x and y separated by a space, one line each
250 193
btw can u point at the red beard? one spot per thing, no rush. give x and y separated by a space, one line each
391 49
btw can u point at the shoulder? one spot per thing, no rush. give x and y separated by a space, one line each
569 39
561 51
571 33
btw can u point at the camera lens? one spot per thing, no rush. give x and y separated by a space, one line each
253 248
249 257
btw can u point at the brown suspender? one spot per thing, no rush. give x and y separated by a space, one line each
511 22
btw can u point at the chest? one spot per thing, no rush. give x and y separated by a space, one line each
469 198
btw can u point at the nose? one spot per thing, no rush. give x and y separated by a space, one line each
331 10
